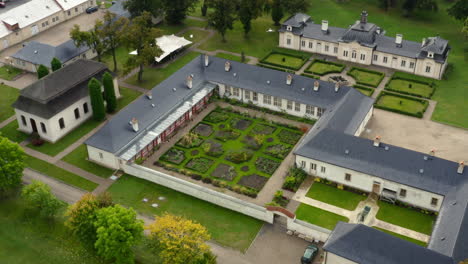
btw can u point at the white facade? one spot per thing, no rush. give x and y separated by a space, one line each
331 258
104 158
369 183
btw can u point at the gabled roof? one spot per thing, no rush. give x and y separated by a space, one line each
69 4
53 93
297 20
39 53
363 33
366 245
435 44
118 9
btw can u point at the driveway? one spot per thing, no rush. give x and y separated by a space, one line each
420 135
59 33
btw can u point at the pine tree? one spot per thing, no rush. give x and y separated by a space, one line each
55 64
109 92
42 71
97 102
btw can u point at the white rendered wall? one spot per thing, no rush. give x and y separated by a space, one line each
363 124
102 157
331 258
308 231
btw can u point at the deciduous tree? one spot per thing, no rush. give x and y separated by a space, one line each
55 64
117 231
175 11
109 92
137 7
11 165
459 10
223 16
91 38
111 33
277 12
410 5
141 36
178 240
97 102
81 217
295 6
42 71
38 195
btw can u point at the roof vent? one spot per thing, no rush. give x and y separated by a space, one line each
377 141
386 148
207 60
303 88
174 89
134 123
189 81
425 157
461 167
399 40
35 52
316 85
421 171
337 87
152 105
227 66
289 79
454 203
149 94
423 42
346 151
234 74
47 7
442 238
26 16
268 82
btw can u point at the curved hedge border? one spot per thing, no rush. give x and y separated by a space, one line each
361 87
418 114
432 85
302 57
311 76
275 68
326 72
350 73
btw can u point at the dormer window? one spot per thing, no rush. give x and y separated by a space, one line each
288 28
430 54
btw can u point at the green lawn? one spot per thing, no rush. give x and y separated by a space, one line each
128 96
284 60
406 217
153 76
9 73
26 238
332 195
226 227
412 240
362 76
78 158
53 149
230 57
122 54
396 103
174 29
366 92
11 132
317 216
411 88
59 173
322 68
197 34
9 96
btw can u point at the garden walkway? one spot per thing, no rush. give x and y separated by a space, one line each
7 121
304 67
370 220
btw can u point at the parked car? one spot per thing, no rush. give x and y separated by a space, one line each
91 9
309 254
2 4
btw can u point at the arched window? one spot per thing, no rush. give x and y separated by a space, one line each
43 128
61 123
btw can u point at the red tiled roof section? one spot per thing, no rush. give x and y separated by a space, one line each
281 210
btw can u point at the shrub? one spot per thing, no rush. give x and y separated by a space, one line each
109 92
196 177
340 67
42 71
294 179
417 114
206 180
36 139
239 156
353 74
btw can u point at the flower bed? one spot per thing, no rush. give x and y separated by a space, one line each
266 165
200 164
279 151
289 137
190 140
174 155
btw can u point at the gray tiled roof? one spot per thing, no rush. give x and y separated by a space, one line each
297 20
387 44
39 53
315 31
363 33
118 9
55 92
366 245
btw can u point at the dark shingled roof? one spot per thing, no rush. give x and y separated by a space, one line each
118 9
39 53
366 245
297 20
363 33
55 92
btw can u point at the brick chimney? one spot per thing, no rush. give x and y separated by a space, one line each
423 42
399 40
363 17
377 141
461 167
189 81
289 79
134 123
227 66
337 87
432 152
316 85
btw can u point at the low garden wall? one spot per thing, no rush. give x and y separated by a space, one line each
201 192
308 231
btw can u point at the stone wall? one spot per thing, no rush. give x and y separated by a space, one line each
308 231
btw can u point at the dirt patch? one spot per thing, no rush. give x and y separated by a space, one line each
241 124
251 142
245 168
265 165
200 164
225 172
253 181
194 152
279 151
263 129
204 130
270 139
174 155
215 148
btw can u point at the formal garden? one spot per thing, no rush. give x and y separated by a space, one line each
319 217
330 193
364 89
232 150
322 67
366 77
401 104
411 85
9 73
285 59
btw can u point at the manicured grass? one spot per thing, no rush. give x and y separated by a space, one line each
226 227
59 173
401 104
322 68
412 240
366 77
332 195
369 92
9 73
11 132
197 34
153 76
122 54
411 88
128 96
317 216
8 97
78 158
26 238
406 217
284 60
174 29
230 57
53 149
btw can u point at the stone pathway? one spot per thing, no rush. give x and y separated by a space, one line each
381 86
7 121
304 67
22 81
400 230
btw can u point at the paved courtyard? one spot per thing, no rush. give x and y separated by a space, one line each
420 135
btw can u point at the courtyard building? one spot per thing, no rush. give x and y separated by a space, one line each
366 43
56 104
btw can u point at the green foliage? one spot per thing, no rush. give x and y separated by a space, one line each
223 16
204 8
296 6
111 33
294 179
410 5
322 67
81 217
39 197
42 71
176 11
55 64
401 104
247 11
109 92
117 232
459 10
277 12
97 102
11 165
137 7
91 38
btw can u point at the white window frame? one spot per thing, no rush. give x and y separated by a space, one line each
267 99
289 104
